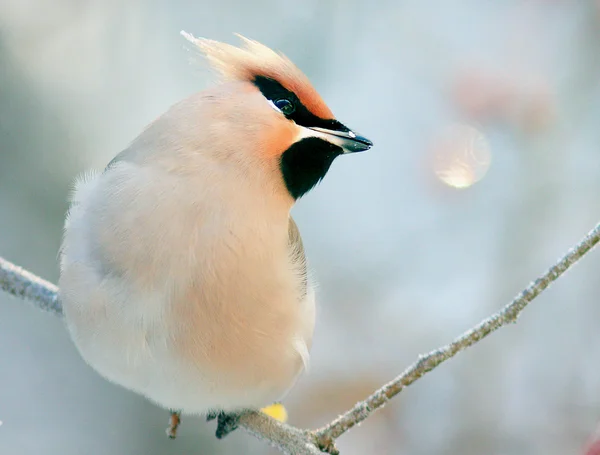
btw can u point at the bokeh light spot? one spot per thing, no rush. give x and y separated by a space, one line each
461 156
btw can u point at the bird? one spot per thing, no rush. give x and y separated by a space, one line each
183 276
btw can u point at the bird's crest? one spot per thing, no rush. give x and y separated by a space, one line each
255 59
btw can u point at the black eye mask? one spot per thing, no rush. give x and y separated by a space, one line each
276 93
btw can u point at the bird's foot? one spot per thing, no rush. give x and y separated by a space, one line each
226 422
174 422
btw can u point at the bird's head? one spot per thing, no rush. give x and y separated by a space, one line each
272 106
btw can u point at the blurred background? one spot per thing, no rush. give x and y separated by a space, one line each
486 123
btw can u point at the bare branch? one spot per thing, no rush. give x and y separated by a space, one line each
291 440
288 439
21 283
428 362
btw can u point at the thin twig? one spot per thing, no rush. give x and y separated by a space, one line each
291 440
428 362
21 283
288 439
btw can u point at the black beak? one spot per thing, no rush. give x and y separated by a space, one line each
347 140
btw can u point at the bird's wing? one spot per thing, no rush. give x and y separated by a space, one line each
125 155
297 250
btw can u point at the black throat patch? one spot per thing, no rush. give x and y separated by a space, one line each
305 164
307 161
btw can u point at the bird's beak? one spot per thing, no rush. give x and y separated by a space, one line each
347 140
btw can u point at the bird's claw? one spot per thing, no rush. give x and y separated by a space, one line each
226 422
174 422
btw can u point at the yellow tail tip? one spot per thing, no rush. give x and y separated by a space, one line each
276 411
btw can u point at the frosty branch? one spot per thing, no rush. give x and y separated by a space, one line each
291 440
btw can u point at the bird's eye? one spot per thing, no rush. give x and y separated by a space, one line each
285 106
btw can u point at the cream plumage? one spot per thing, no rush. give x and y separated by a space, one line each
183 276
